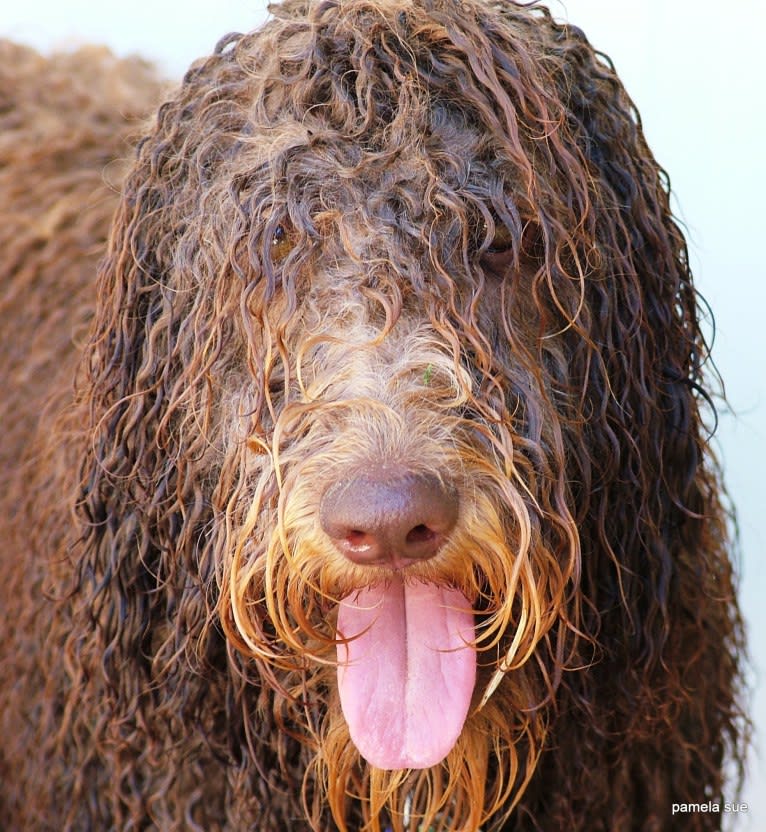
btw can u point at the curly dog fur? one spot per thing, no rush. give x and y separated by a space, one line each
375 249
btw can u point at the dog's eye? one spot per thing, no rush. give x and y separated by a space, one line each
282 241
502 241
498 256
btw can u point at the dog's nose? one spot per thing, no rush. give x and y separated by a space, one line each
393 521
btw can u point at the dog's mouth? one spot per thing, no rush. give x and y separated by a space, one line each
406 670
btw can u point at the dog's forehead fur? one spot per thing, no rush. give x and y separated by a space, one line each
344 119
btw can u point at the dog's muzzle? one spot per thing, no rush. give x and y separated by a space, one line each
406 655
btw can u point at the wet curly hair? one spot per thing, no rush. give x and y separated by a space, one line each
421 232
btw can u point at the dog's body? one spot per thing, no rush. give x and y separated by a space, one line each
376 493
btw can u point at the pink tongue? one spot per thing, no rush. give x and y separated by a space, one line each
406 682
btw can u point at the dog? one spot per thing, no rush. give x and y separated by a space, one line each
357 471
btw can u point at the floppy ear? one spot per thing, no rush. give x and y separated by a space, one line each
154 449
640 360
629 368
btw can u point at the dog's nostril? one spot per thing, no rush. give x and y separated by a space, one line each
420 534
390 520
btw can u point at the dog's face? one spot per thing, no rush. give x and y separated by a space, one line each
392 248
402 279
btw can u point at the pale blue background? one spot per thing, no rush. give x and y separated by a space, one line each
696 72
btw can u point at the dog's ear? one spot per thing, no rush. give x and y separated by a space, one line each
640 352
145 568
628 367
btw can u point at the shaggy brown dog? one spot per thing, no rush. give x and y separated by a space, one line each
383 497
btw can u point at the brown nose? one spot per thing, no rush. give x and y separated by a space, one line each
377 520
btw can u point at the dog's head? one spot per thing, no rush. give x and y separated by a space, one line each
379 255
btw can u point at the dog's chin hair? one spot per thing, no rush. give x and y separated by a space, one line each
485 773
